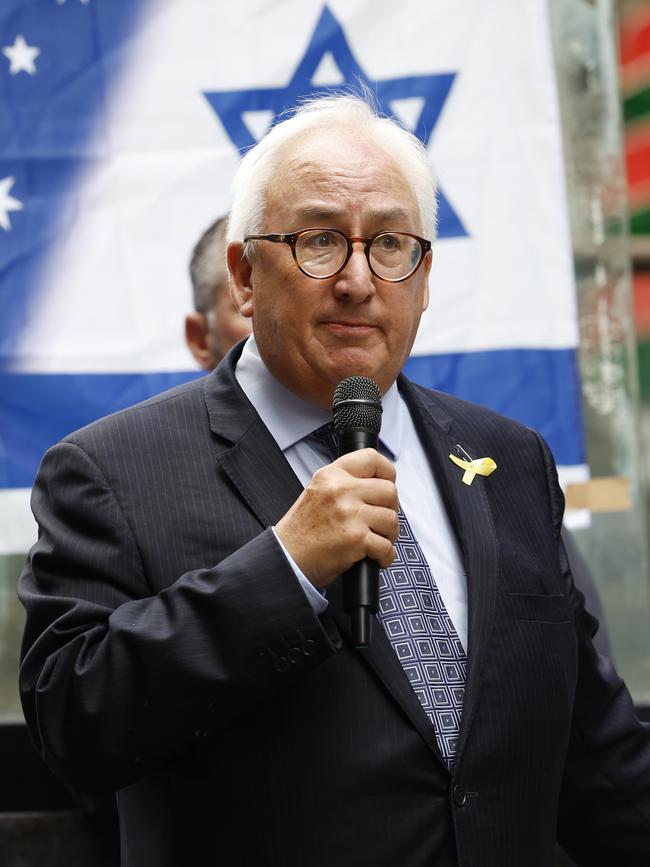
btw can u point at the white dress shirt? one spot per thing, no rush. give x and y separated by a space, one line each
290 419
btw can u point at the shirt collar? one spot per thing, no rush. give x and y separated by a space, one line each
290 419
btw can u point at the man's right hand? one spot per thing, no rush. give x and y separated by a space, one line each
348 511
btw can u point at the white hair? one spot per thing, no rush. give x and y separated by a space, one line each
341 111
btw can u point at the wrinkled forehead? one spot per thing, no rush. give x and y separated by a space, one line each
339 167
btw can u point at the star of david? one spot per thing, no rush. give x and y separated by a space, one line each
327 66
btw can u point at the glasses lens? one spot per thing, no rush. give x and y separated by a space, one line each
321 252
394 256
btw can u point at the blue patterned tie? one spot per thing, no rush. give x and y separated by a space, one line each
419 628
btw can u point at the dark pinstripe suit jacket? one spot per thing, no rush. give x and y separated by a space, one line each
170 653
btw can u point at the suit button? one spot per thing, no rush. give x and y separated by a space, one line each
459 796
294 654
281 663
309 647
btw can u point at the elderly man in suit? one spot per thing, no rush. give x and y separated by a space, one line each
185 641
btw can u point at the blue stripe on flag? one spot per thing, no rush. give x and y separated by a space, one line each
36 410
537 387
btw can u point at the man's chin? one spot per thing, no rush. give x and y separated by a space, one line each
359 364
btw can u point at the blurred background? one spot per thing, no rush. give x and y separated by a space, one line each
121 125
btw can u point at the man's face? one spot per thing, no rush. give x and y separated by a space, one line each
314 333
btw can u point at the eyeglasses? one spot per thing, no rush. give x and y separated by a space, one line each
322 253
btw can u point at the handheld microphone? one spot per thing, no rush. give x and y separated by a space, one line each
357 420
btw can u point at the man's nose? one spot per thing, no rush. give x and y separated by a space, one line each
355 280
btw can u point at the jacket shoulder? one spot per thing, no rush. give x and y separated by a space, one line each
449 409
147 416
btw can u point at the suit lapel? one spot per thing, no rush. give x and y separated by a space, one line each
246 451
471 516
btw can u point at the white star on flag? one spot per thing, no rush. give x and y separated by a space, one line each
7 202
21 56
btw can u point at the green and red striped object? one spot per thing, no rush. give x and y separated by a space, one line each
634 49
635 87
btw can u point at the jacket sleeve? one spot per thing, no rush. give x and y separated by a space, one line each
604 813
115 680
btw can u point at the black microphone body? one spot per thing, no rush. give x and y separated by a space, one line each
357 419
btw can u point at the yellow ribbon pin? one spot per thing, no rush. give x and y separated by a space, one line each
479 467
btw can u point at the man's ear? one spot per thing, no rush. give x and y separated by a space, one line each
240 271
199 339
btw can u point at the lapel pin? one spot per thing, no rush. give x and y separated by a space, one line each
478 467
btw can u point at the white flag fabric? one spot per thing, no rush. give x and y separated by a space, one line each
126 123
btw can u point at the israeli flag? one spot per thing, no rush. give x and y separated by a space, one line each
122 125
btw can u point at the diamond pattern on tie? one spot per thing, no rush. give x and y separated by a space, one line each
418 626
420 630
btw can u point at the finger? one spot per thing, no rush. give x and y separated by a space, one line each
377 492
367 464
382 522
380 549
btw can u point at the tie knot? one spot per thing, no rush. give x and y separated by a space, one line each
325 440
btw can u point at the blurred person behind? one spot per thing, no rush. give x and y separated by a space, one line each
216 324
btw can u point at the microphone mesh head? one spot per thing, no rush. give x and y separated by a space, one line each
357 403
